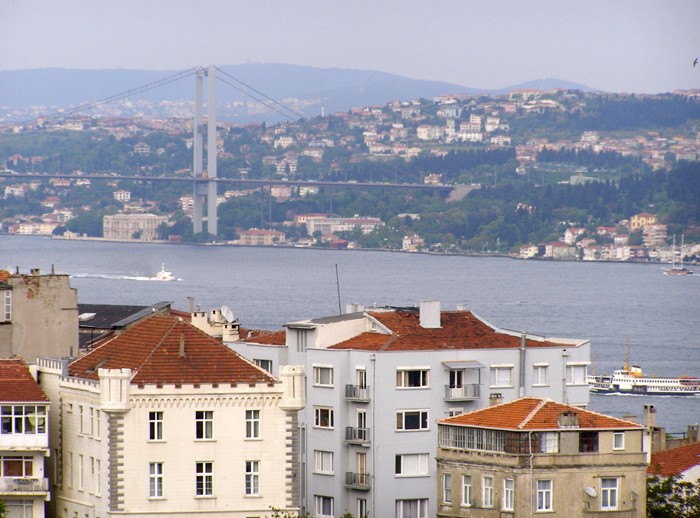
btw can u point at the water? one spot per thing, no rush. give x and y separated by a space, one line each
611 304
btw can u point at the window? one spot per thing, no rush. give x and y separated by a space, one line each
155 480
608 494
81 416
264 364
98 416
252 424
16 466
98 477
502 376
323 462
508 494
362 508
576 374
323 505
22 419
488 492
456 378
6 309
412 420
323 376
81 473
467 490
204 479
302 338
91 421
447 488
252 477
451 412
323 417
588 442
549 442
412 378
204 424
416 508
68 469
155 426
412 465
540 374
619 441
361 377
544 495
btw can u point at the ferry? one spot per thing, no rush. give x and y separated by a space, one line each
630 380
164 275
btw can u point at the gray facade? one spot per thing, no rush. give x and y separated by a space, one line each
370 420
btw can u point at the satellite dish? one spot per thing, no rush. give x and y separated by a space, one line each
227 314
590 491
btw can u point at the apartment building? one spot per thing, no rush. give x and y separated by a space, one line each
24 441
380 378
143 227
164 420
533 455
38 315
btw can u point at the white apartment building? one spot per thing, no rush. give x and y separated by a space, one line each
378 381
164 420
24 441
143 227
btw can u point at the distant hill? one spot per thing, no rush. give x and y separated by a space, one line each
307 89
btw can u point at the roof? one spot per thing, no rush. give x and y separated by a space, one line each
667 463
530 413
164 349
17 384
256 336
459 330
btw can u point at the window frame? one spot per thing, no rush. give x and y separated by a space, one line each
487 491
572 379
447 488
252 478
323 459
252 424
496 379
621 445
263 364
508 494
318 417
155 425
204 425
421 504
6 313
540 375
609 496
421 460
324 503
410 378
323 376
545 495
155 480
423 420
467 491
204 478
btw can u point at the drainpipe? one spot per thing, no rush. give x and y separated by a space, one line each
564 358
521 392
373 436
532 482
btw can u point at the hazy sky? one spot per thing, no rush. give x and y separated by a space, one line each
615 45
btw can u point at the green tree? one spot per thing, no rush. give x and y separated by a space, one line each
671 497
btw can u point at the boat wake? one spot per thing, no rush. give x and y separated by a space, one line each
117 277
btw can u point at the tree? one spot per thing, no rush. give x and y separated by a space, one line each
671 497
279 513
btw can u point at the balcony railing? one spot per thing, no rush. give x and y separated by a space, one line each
357 393
16 485
359 481
463 393
356 435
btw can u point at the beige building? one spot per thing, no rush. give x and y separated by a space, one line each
164 420
143 227
256 237
535 456
639 221
38 315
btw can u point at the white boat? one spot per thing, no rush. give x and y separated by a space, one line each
630 380
164 275
676 269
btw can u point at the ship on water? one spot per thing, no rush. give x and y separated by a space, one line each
631 380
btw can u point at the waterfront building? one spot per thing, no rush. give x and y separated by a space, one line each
257 237
164 420
24 441
380 378
38 315
534 455
142 227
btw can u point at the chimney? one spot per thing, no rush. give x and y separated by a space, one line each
567 420
181 352
649 416
35 271
495 399
462 307
430 314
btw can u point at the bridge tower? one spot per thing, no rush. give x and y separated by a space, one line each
205 182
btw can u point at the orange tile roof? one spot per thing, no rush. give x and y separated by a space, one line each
531 413
17 384
667 463
151 349
258 336
459 330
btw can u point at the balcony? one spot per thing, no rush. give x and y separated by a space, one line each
360 481
357 393
468 392
23 486
357 436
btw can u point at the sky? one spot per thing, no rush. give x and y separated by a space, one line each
639 46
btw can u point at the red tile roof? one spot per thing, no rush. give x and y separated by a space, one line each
531 413
257 336
673 462
459 330
17 384
152 350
